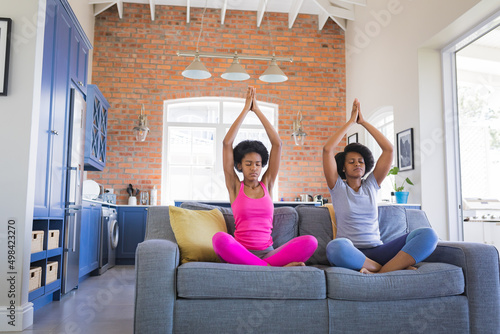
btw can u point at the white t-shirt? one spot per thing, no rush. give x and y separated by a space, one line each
356 212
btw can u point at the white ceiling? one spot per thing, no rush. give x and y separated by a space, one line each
337 10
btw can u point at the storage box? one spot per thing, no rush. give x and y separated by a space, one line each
36 241
35 278
53 239
51 274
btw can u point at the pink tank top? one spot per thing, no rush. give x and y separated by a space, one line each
253 218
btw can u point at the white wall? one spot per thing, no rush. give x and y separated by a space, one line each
393 58
19 112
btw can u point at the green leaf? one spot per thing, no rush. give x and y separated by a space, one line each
409 182
393 171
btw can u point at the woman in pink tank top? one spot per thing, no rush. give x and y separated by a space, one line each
251 203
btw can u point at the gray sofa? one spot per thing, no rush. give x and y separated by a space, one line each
456 290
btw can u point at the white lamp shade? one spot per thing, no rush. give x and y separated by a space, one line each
196 70
273 74
235 72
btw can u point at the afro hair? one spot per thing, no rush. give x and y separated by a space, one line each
249 146
354 147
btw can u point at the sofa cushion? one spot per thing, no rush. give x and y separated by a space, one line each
285 221
392 222
202 280
194 231
316 221
428 281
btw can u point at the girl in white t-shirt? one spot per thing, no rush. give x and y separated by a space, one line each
358 245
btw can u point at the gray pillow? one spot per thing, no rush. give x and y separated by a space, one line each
316 221
392 222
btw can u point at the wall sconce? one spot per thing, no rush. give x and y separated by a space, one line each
298 134
141 130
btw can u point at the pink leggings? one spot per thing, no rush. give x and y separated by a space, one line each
299 249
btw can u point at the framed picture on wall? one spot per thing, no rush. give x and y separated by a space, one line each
5 27
352 138
404 141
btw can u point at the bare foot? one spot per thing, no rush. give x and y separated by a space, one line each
366 271
411 268
295 264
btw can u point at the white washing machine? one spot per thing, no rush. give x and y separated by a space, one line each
109 239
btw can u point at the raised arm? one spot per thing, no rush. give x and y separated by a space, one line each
232 180
329 163
384 162
275 155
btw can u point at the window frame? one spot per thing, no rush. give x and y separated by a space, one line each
220 131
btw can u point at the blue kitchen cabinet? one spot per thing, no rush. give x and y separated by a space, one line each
79 62
96 129
59 59
132 224
89 237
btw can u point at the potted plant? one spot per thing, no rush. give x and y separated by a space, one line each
401 196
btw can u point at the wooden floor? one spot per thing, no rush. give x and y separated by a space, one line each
101 304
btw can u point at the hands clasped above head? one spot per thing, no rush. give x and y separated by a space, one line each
251 99
356 116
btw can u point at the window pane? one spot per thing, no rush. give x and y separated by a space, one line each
179 146
194 112
231 110
203 147
179 182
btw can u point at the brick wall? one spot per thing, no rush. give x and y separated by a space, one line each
135 62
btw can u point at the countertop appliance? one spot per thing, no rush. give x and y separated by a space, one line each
481 210
73 206
109 239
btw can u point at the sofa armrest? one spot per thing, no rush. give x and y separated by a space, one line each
480 265
156 262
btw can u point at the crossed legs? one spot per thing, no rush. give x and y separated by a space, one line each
294 252
400 253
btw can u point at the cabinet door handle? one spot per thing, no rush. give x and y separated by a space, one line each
55 132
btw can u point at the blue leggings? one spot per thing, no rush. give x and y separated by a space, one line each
419 244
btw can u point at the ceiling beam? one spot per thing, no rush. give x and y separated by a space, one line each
119 5
343 4
152 8
335 11
294 11
355 2
223 12
322 18
100 7
261 10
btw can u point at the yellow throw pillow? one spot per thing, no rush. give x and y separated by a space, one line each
194 230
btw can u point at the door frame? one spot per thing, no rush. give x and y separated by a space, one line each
450 104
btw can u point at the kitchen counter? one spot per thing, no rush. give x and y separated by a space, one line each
100 202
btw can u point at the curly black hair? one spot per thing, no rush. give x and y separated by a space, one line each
354 147
249 146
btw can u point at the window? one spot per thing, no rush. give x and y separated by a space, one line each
383 120
192 149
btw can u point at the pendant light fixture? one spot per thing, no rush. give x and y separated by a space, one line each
298 134
141 130
235 72
273 73
197 70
